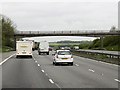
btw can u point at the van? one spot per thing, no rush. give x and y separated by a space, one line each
24 48
43 47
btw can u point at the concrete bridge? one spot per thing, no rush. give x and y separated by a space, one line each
91 33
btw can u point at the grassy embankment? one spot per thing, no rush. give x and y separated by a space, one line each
110 43
6 49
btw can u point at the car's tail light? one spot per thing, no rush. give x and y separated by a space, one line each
57 56
72 56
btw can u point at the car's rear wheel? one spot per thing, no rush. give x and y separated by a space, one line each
55 63
71 63
47 53
16 56
39 53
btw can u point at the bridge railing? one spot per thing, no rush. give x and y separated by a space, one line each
63 32
109 55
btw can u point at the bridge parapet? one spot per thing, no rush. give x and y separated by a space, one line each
67 33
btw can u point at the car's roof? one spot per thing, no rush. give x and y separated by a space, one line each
62 50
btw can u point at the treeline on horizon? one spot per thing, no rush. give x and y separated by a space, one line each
111 43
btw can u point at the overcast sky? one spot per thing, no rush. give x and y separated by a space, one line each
49 16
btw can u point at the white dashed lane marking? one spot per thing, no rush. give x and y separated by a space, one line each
91 70
51 81
38 64
42 70
76 64
117 80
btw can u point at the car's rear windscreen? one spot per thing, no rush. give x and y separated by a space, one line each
64 53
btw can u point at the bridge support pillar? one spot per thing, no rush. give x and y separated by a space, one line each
101 39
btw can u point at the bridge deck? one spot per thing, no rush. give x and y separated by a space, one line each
65 33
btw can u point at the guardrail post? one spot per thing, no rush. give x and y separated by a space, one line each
118 57
15 43
110 55
101 39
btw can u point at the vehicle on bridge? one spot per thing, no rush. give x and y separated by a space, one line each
24 48
62 57
76 47
43 47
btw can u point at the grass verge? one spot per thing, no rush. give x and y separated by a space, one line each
6 49
0 49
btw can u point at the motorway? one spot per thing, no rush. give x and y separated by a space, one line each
38 72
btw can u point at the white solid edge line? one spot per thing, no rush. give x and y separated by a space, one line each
117 80
6 59
91 70
42 70
51 81
108 63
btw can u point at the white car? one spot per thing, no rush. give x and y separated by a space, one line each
63 56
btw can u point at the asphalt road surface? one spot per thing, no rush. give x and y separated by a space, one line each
39 72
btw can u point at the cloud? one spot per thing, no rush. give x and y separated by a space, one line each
62 15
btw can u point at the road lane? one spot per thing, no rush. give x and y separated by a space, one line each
24 73
78 76
100 68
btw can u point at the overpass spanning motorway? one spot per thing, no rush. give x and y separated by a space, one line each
95 33
90 33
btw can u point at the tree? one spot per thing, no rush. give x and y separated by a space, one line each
113 29
8 29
